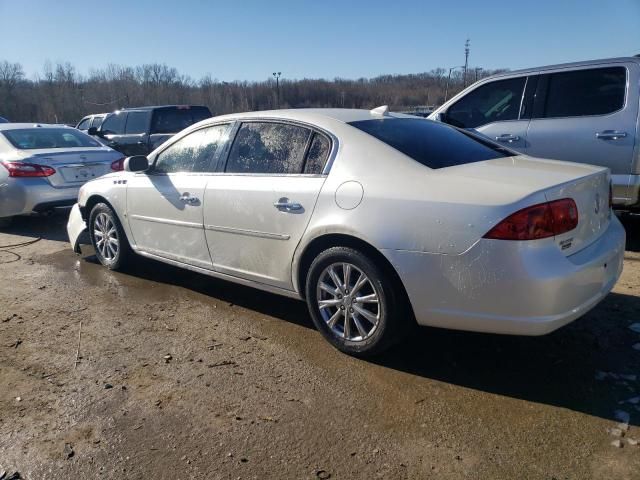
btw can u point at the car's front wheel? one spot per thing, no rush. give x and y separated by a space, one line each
356 305
107 237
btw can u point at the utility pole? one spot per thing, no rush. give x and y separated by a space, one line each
477 70
277 77
467 44
446 88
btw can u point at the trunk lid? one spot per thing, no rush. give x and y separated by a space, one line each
74 166
587 185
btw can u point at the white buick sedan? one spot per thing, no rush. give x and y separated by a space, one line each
377 220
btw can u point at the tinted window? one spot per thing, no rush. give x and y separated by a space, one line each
114 124
493 102
32 138
317 155
84 124
97 121
433 144
585 92
137 122
172 120
193 153
268 148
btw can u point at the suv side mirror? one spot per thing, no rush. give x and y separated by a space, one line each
92 131
137 163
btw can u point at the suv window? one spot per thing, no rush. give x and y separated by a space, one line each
493 102
262 147
137 122
433 144
84 124
194 152
97 121
585 92
114 124
317 155
172 120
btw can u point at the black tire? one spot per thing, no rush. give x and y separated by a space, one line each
392 310
113 260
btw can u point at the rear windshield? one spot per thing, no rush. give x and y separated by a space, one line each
172 120
433 144
33 138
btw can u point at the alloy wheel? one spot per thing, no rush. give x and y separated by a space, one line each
106 236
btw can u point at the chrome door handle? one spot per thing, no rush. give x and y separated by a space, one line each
508 138
285 204
189 199
610 135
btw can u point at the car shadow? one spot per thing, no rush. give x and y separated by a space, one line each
48 227
631 224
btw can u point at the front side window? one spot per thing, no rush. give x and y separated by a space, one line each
266 147
34 138
97 121
493 102
137 122
585 92
114 124
433 144
194 152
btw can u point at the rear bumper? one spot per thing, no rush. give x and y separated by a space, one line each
510 288
19 196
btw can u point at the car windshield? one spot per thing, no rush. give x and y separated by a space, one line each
433 144
33 138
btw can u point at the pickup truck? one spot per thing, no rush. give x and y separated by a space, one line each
139 131
583 112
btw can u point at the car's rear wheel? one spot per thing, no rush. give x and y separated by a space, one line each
107 237
354 303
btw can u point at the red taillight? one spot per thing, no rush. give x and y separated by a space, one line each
22 169
538 221
118 165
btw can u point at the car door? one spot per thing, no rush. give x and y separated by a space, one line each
112 130
165 204
259 207
135 139
494 109
587 115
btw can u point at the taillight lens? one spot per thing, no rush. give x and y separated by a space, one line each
538 221
23 169
118 165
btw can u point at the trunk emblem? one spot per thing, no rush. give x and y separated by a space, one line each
597 209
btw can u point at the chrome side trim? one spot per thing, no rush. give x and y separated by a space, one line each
222 276
167 221
250 233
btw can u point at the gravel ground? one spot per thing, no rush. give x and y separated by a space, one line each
181 376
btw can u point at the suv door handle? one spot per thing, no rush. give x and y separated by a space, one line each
507 137
189 199
285 204
610 135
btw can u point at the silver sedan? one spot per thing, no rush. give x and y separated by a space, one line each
377 220
43 166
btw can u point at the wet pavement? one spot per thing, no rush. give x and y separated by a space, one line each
183 376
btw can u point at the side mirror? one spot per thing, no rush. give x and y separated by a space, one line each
92 131
137 163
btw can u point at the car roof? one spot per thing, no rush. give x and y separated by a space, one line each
584 63
156 107
313 115
17 126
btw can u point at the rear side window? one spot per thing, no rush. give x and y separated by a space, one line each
114 124
137 122
194 152
585 92
317 154
433 144
84 124
493 102
262 147
172 120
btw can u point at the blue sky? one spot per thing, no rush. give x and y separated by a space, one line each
249 39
